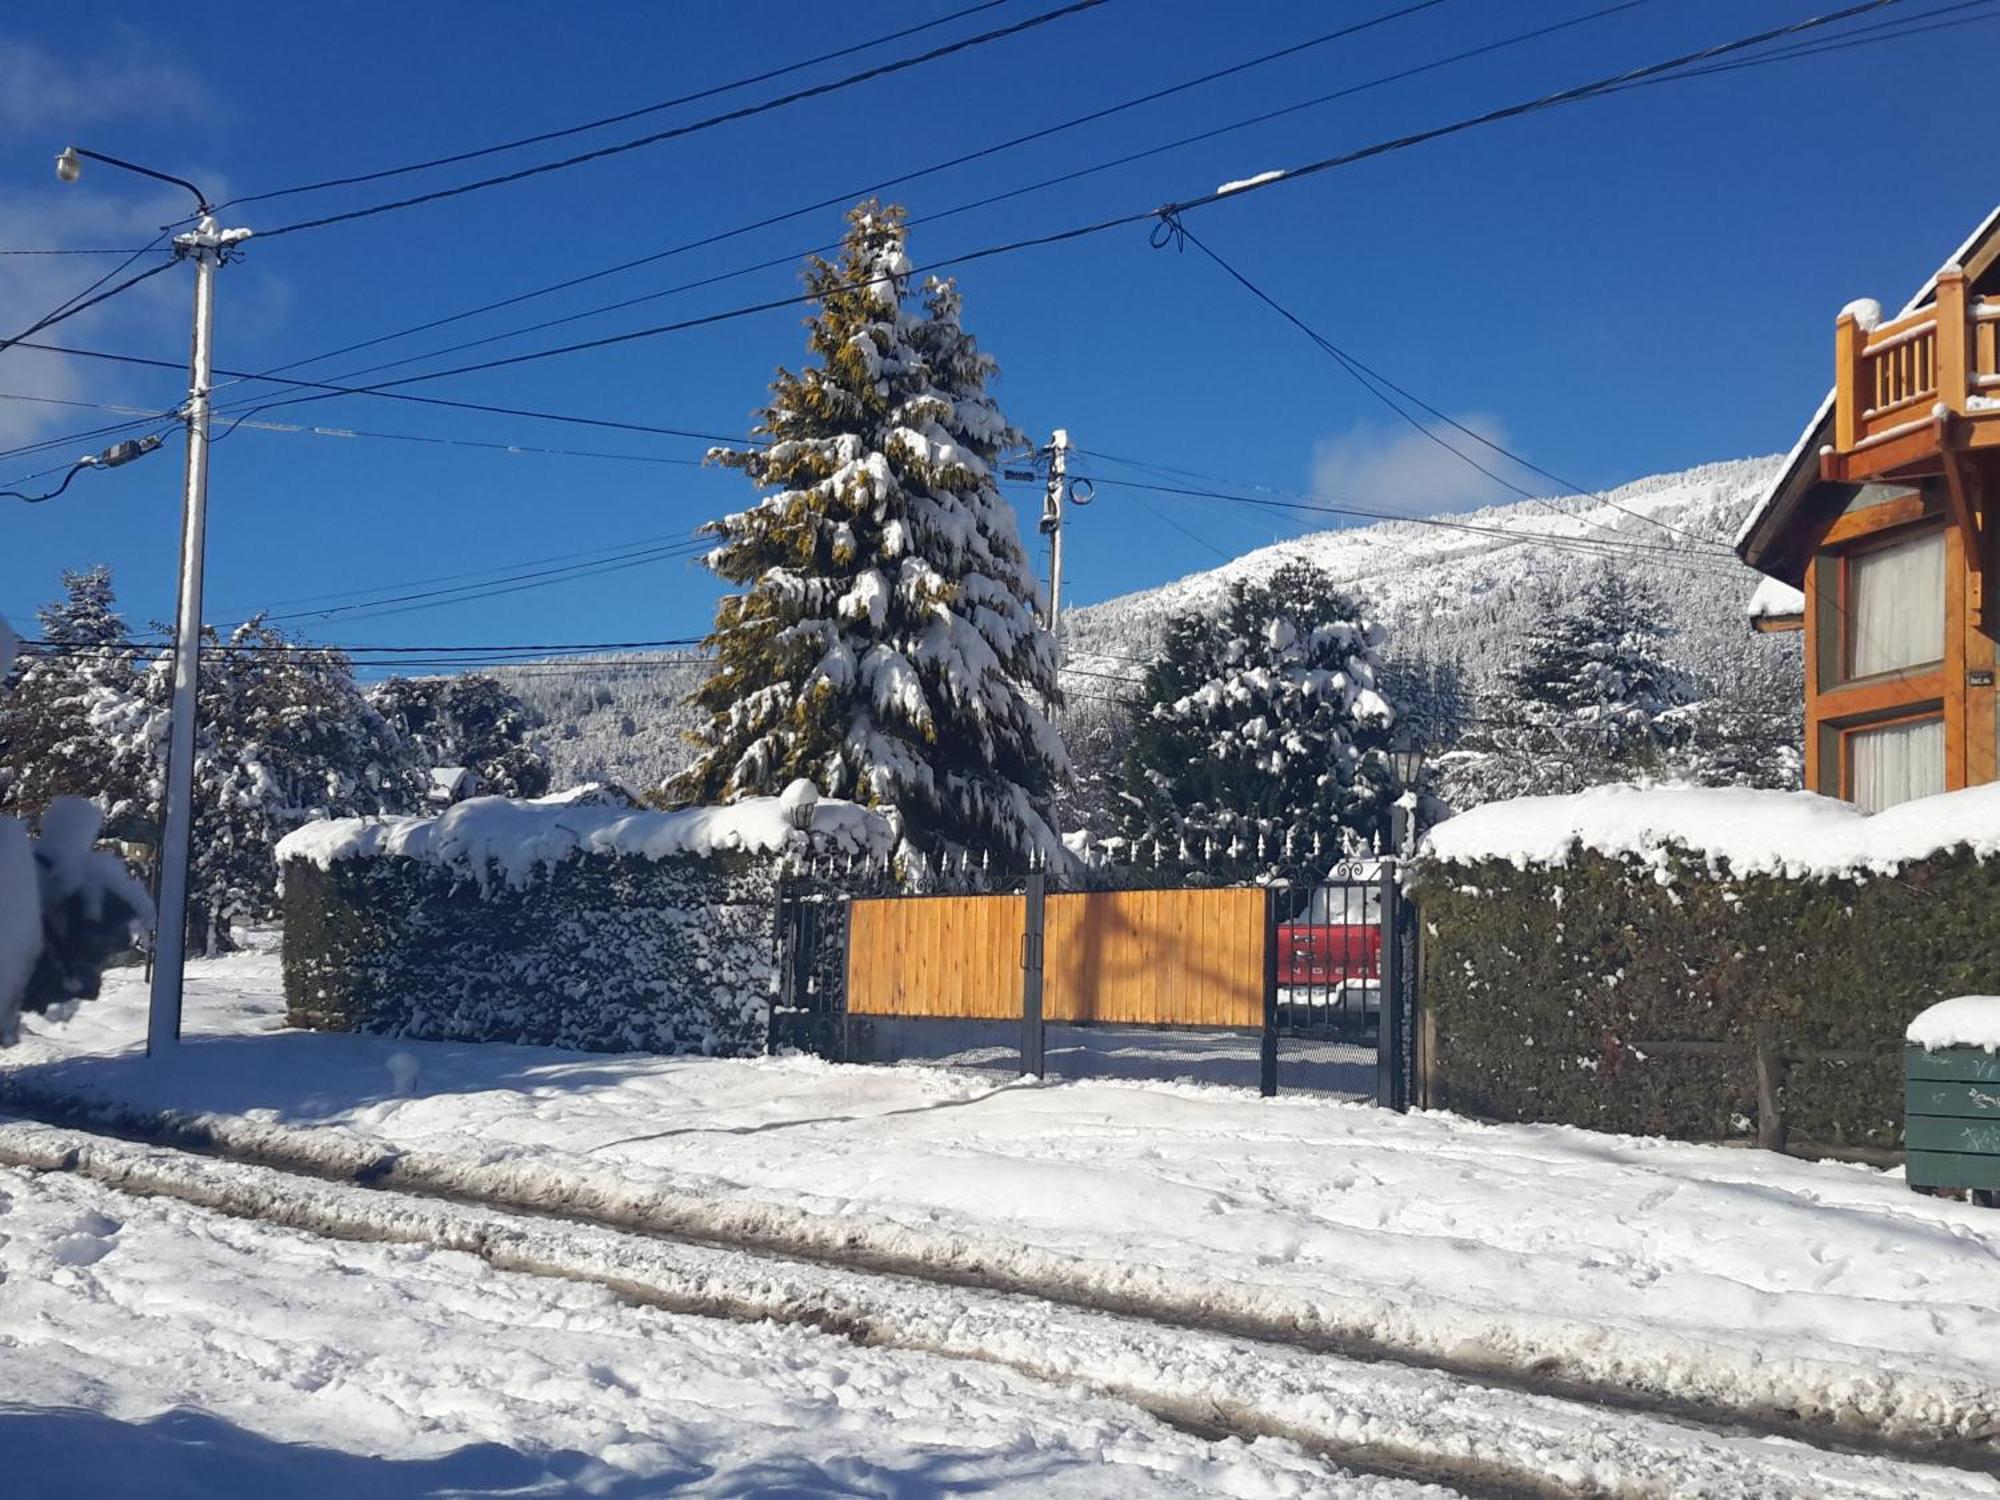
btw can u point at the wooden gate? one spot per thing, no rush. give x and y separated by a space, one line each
1189 958
956 956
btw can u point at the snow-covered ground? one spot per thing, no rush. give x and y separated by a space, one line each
1721 1276
152 1349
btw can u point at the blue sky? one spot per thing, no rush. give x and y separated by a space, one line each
1619 287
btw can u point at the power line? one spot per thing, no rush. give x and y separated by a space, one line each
867 75
617 119
1580 92
83 302
853 194
1363 374
1062 236
1591 546
941 214
142 415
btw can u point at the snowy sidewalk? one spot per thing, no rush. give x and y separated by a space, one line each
1719 1276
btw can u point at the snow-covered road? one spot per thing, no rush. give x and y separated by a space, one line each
1726 1278
152 1349
1378 1418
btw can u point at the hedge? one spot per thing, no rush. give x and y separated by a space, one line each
1542 987
604 953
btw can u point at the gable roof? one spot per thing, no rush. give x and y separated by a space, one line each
1798 489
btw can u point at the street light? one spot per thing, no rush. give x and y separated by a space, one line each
1406 761
208 247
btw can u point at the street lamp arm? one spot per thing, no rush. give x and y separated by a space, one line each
200 198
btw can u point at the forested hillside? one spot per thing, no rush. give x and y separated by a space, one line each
1459 596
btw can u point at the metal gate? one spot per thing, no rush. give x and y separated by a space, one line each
1327 968
1344 958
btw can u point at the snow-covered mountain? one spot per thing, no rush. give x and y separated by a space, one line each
1455 592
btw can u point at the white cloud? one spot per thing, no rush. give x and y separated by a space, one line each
1398 468
59 95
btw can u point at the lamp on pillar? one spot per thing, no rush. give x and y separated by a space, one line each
1406 765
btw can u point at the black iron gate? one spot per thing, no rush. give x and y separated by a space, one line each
1343 972
808 1010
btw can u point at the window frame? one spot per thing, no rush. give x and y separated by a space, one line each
1921 713
1845 554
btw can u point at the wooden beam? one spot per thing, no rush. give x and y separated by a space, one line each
1904 510
1847 341
1954 368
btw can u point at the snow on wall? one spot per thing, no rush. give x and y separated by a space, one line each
1964 1021
1734 830
487 835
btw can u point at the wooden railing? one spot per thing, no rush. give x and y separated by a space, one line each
1890 380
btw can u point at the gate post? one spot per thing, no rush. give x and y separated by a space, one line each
1393 1015
1033 1035
1267 1059
781 981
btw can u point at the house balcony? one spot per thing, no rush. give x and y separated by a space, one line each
1918 397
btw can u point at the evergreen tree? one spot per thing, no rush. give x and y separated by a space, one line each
471 721
75 722
1262 729
884 640
284 737
1591 699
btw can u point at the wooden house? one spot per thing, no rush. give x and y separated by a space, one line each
1885 516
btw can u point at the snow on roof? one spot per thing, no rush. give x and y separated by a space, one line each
1755 516
488 834
1775 599
448 778
1734 830
1967 1021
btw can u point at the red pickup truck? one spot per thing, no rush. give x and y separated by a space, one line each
1330 954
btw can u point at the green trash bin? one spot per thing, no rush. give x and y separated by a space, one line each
1951 1097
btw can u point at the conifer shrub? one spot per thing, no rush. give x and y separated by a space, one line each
601 953
1545 985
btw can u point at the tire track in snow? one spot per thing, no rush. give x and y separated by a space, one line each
1838 1406
1382 1418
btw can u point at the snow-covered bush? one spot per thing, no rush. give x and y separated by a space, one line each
1564 934
571 924
884 642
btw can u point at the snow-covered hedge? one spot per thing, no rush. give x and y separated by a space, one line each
1562 934
548 922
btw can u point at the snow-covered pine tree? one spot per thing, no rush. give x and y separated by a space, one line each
75 722
1590 699
884 641
285 736
1262 737
473 721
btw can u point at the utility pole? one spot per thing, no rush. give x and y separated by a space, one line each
1052 528
208 247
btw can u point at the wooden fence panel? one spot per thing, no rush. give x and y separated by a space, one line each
936 956
1156 958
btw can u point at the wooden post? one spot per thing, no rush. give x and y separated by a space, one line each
1847 340
1770 1080
1954 367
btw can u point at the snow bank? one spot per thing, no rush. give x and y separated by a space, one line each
495 834
1734 830
1967 1021
1776 599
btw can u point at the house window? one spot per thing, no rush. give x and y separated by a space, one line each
1895 763
1895 605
